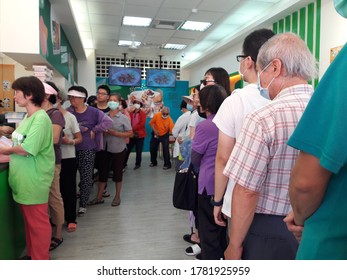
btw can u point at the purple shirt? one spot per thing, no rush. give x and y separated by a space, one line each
91 119
205 143
57 118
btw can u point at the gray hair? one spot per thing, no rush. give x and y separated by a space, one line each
165 108
62 96
295 56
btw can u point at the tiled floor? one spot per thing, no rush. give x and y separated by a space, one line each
144 227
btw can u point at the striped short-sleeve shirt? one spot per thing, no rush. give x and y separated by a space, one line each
261 160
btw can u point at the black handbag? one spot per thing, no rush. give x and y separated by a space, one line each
185 191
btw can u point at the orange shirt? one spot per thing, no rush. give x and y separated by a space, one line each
162 126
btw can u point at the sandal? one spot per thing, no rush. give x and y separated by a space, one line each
105 193
55 243
95 201
188 238
116 202
71 227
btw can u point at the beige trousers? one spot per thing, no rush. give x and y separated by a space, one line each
55 201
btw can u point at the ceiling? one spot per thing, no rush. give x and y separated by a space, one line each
100 24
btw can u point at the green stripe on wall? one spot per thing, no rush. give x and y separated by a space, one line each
288 25
281 26
310 23
275 28
317 49
295 22
302 26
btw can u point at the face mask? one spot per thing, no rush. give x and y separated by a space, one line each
165 117
189 107
203 114
264 92
137 106
113 105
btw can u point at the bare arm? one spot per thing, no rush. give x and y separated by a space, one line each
56 133
242 213
13 150
125 134
225 147
307 186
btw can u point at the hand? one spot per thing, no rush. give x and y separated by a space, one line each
6 130
218 216
295 229
233 252
92 135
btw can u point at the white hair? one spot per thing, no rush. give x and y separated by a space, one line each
295 56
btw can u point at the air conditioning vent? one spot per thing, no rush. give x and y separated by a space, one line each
165 24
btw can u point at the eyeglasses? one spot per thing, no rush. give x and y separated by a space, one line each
240 56
164 114
204 82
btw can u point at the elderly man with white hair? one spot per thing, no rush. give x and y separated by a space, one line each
162 126
261 161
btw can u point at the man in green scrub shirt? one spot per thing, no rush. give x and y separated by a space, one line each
318 188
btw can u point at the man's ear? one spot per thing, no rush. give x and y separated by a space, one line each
277 66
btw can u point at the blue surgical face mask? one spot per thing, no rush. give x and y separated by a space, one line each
264 92
189 107
113 105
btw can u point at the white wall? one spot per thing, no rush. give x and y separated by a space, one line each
19 26
87 73
333 33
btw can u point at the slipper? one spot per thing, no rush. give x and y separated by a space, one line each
71 227
95 201
55 243
193 250
188 238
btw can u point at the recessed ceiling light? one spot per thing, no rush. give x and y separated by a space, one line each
137 21
195 26
175 46
124 43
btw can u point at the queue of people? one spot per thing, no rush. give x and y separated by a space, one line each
267 182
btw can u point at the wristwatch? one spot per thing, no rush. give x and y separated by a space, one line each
216 203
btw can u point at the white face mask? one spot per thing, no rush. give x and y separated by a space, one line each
137 106
264 92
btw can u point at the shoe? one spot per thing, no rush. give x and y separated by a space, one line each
198 257
71 227
188 238
55 243
81 211
95 201
116 202
136 167
105 193
166 167
152 165
193 250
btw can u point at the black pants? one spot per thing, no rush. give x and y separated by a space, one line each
269 239
154 146
212 236
68 188
138 143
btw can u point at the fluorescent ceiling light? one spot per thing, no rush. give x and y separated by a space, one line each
175 46
124 43
195 26
137 21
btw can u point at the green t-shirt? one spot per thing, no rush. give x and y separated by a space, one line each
322 132
30 177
